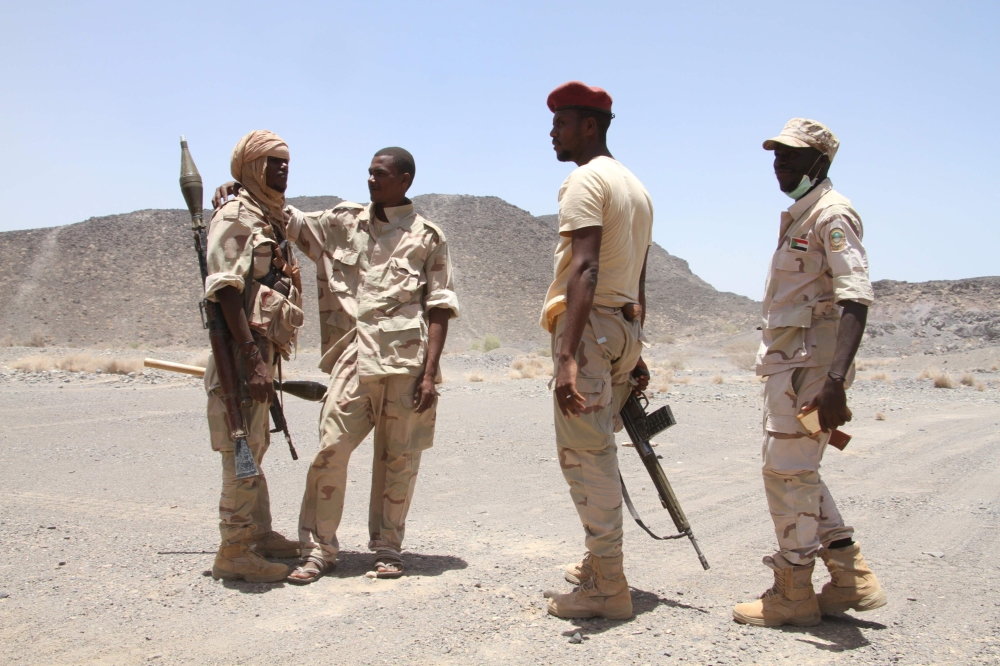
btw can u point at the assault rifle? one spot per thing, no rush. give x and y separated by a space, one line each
233 395
641 427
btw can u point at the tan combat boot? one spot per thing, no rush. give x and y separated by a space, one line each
853 585
604 594
577 572
272 544
236 561
790 601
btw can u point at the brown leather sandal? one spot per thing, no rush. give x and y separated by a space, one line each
388 568
314 568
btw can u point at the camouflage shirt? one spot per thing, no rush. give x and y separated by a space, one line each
820 262
238 236
376 281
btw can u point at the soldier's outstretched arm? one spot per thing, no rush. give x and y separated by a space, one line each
224 192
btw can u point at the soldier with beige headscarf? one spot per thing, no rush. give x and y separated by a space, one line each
264 320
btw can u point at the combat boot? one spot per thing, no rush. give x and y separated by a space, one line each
605 594
853 584
236 561
790 600
272 544
577 572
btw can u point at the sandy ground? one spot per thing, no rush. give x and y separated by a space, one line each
108 525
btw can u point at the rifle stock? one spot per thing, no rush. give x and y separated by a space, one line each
641 427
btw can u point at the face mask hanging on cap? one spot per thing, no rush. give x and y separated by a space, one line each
805 184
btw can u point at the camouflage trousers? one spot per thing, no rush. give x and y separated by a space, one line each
245 506
352 409
588 456
802 508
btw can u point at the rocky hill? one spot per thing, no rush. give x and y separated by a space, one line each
933 317
132 279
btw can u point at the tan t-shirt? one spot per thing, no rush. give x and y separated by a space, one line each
602 193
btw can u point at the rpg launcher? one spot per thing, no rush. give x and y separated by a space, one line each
234 395
641 427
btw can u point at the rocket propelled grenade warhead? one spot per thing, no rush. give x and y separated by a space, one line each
191 186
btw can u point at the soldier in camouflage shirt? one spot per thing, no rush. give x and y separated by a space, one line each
386 295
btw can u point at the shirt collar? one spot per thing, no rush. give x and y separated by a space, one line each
808 201
398 216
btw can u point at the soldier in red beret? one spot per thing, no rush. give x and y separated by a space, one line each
594 311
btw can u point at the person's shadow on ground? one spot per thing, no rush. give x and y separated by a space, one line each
352 563
841 633
642 602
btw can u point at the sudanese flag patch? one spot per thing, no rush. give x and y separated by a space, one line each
800 244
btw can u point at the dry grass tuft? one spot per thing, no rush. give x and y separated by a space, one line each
200 359
660 381
8 341
123 366
943 380
530 367
742 354
994 367
82 362
880 416
666 339
474 377
980 386
879 377
33 364
924 374
967 380
36 340
718 379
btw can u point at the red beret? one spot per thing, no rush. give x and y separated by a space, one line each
578 95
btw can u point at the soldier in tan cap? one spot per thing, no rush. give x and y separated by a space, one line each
816 303
386 294
242 249
593 311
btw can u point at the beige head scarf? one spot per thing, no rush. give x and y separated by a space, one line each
248 162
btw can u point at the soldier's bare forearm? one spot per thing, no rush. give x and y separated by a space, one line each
436 336
231 302
849 334
642 289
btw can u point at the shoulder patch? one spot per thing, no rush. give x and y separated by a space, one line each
838 240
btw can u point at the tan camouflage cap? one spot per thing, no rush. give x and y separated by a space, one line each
805 133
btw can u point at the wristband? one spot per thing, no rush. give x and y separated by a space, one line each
835 377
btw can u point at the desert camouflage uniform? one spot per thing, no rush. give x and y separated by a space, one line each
241 234
384 277
609 349
820 262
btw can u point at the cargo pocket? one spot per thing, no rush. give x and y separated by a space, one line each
596 391
404 279
401 342
345 262
275 317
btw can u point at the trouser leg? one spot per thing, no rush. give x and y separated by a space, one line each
401 436
345 421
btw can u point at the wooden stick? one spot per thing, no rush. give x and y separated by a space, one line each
174 367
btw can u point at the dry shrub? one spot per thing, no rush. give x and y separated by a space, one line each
530 367
718 379
474 377
33 364
8 341
980 386
123 366
742 354
676 364
943 380
994 367
968 380
491 342
880 416
659 382
924 374
200 359
879 377
666 339
79 363
36 340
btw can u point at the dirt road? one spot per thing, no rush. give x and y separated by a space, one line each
108 525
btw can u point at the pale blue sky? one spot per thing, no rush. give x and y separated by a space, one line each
93 96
